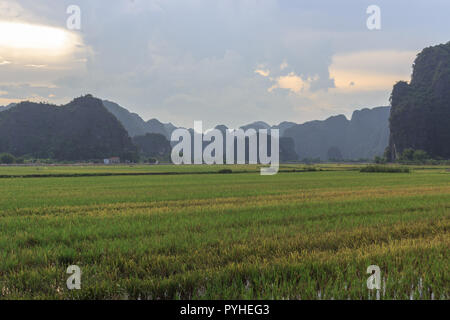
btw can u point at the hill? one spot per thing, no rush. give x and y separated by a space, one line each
135 125
9 106
420 114
80 130
364 136
258 125
156 126
283 126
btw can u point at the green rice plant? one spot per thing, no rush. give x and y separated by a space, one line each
294 235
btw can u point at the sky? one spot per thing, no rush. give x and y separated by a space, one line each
226 62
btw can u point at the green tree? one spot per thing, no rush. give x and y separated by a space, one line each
387 154
6 158
20 160
420 155
407 155
379 160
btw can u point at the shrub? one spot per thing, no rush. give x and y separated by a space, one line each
225 171
420 156
20 160
378 168
380 160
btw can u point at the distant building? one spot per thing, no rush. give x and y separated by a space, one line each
112 160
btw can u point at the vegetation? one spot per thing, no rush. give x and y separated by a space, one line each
153 145
295 235
384 168
225 171
7 158
380 160
411 155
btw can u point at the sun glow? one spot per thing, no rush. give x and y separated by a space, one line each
35 37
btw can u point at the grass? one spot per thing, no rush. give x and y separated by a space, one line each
295 235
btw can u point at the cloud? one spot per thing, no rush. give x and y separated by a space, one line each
291 82
36 65
230 61
264 73
25 91
371 70
10 9
174 60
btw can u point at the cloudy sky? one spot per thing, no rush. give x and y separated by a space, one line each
220 61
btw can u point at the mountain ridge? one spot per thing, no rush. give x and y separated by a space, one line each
9 106
135 125
365 135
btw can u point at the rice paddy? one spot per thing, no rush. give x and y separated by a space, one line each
198 234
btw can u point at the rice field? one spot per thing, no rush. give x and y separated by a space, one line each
300 234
